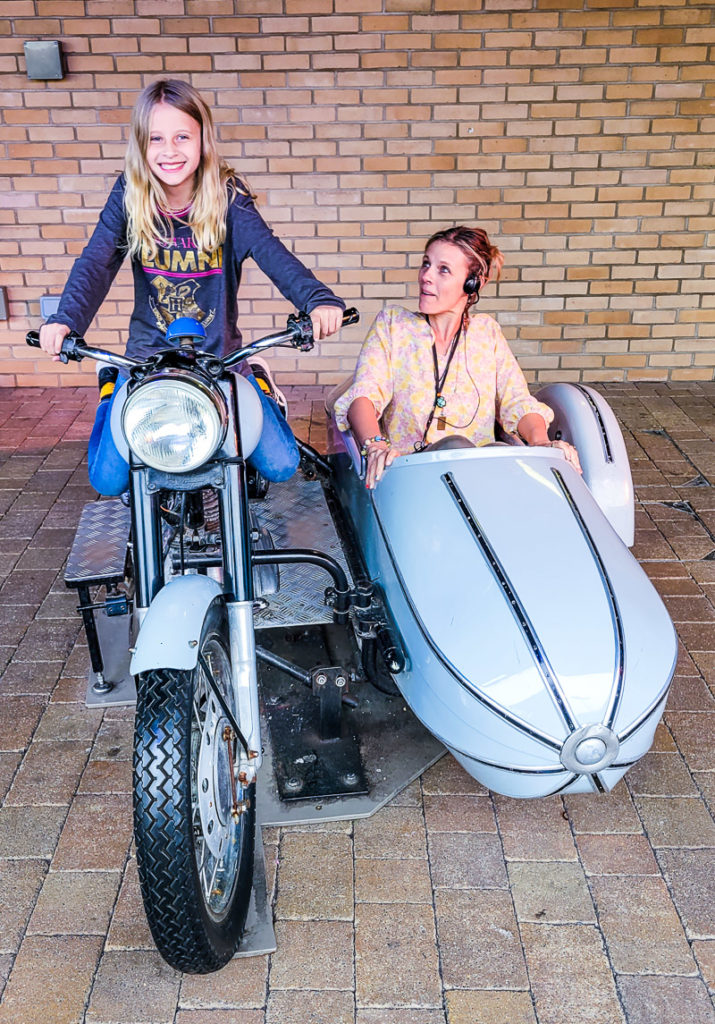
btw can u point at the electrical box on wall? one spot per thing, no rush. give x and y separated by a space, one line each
44 59
48 305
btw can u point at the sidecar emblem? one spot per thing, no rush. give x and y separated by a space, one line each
590 749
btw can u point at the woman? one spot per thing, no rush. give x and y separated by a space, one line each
187 223
441 373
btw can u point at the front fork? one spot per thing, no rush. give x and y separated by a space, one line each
245 682
237 587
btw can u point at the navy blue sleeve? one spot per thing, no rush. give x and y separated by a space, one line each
252 237
93 272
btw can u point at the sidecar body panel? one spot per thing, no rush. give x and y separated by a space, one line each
584 418
531 631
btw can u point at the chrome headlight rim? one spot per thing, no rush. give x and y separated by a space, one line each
210 395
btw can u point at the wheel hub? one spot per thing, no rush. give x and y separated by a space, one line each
214 780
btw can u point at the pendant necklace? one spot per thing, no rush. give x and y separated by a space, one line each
439 381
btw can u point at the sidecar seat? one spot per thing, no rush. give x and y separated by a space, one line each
584 419
501 437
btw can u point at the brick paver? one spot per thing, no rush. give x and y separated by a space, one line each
451 905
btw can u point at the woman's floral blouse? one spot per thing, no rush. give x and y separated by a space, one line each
395 370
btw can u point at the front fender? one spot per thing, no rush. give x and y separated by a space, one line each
170 633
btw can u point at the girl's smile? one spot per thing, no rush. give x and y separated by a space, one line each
173 152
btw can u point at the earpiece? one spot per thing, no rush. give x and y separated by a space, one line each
471 285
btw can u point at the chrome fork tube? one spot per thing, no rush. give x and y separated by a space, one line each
245 682
236 534
238 587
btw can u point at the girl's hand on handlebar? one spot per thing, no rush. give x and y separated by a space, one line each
51 338
326 321
379 457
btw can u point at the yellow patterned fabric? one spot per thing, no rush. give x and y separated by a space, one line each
395 370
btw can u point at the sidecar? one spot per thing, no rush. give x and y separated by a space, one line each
536 649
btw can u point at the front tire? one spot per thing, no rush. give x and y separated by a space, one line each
195 858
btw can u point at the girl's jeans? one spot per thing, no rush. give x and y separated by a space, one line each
276 457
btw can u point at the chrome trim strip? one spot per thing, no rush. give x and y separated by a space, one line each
513 769
496 709
619 668
560 789
642 719
517 609
599 419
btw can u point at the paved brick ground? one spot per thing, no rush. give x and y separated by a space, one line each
450 906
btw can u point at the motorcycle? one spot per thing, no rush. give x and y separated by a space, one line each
508 616
178 557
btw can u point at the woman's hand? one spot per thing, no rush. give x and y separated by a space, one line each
570 453
531 428
326 321
51 338
379 456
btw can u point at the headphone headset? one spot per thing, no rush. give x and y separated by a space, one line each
471 285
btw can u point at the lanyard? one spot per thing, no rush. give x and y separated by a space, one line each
439 382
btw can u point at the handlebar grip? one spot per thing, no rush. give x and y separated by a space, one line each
350 316
71 346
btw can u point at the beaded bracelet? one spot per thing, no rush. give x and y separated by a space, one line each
373 440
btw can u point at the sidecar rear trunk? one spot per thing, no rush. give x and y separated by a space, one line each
539 652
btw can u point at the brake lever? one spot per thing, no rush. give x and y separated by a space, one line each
302 327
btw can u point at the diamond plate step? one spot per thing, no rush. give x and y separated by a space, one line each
99 549
297 516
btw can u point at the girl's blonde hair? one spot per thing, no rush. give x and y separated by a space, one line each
145 200
485 260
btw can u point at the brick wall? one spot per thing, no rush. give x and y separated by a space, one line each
579 133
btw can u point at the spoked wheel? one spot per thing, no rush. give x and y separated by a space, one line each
194 828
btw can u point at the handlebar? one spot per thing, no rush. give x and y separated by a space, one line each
76 349
299 334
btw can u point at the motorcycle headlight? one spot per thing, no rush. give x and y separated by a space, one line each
174 425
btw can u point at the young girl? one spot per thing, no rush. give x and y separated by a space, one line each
187 223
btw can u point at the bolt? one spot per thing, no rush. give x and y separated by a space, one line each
321 680
240 808
340 682
350 778
294 782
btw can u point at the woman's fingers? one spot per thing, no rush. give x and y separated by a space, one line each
378 459
570 453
